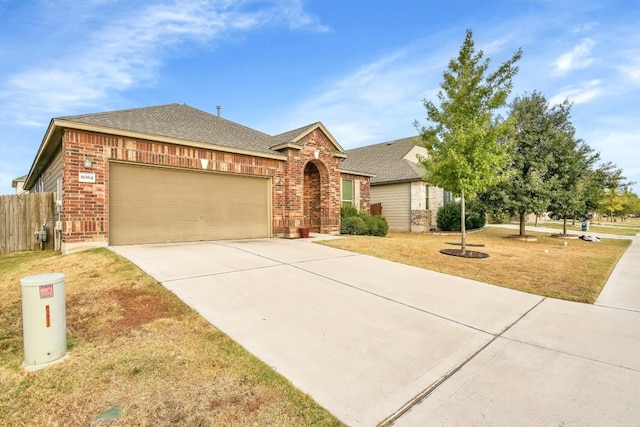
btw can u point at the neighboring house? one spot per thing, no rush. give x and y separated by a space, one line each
173 173
408 202
18 184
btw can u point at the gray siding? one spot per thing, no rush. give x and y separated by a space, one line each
53 172
396 204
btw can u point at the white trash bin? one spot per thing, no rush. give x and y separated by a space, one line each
44 320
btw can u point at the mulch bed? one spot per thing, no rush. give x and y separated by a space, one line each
464 254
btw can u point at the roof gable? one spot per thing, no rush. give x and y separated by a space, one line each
292 137
391 161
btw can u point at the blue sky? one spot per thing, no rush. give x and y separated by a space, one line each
361 67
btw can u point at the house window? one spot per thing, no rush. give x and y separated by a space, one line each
426 198
448 197
347 192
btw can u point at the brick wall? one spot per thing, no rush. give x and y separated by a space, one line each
328 180
364 188
85 214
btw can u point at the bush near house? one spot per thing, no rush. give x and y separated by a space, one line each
362 224
448 218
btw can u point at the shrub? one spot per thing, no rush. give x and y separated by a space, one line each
353 222
353 225
476 216
498 218
448 218
348 211
377 225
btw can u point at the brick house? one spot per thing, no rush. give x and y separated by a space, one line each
408 202
174 173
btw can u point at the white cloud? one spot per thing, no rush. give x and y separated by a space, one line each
632 72
120 53
585 92
578 58
376 102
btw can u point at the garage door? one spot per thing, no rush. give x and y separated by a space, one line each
396 204
157 205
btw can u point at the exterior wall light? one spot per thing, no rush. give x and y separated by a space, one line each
87 163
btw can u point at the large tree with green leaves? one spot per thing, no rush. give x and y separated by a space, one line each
538 128
569 175
465 154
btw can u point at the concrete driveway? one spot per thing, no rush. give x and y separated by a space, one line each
377 342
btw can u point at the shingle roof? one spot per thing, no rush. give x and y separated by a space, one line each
385 160
181 122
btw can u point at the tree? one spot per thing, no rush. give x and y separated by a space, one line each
525 190
617 198
463 142
569 173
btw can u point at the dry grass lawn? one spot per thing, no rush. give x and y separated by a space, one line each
136 351
576 272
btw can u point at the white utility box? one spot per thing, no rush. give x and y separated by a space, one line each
44 320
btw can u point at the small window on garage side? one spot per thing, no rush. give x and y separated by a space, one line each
347 192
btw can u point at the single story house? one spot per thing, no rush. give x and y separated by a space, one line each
408 202
172 173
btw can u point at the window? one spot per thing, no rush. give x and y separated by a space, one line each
347 192
426 197
448 197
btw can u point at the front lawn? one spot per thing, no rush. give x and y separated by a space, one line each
136 354
575 272
623 229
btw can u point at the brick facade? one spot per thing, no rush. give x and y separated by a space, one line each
362 190
298 198
322 184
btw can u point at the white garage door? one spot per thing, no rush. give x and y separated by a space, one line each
158 205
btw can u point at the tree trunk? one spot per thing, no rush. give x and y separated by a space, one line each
463 222
564 226
522 225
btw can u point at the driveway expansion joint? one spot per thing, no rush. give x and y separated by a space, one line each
420 397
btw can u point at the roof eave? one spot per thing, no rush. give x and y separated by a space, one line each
351 172
397 181
44 147
286 145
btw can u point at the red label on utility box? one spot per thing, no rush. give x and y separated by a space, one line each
46 291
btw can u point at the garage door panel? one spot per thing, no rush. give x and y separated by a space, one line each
154 205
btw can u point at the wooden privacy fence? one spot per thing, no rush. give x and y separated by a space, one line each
21 215
376 209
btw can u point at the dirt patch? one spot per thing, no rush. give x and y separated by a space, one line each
114 313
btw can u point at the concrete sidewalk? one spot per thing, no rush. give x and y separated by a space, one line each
378 342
